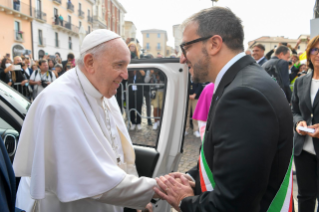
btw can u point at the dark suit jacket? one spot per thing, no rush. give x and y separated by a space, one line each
7 181
262 61
302 110
248 142
283 67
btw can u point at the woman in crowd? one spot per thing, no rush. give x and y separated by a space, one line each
305 109
134 50
51 64
302 70
5 71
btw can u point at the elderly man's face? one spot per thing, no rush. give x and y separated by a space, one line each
196 57
110 68
17 60
257 53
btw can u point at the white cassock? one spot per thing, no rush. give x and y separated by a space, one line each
69 152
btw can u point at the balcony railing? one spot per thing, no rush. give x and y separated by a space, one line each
158 48
38 14
90 19
70 7
18 35
41 41
15 8
70 45
57 1
66 25
81 14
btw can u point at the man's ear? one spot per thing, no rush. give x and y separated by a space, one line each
89 63
214 45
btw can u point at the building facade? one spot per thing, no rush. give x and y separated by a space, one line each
114 16
272 42
59 24
178 38
154 42
15 33
129 30
99 15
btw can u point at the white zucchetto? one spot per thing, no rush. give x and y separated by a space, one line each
96 38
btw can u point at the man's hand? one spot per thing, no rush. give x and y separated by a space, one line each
192 96
316 133
174 191
9 83
38 82
302 124
24 82
177 176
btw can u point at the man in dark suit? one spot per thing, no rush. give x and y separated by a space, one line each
69 59
247 151
7 182
281 58
259 54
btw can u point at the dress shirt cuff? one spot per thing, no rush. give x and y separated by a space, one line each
132 192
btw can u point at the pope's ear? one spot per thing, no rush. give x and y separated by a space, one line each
88 63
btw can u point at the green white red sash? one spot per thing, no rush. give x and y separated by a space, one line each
283 200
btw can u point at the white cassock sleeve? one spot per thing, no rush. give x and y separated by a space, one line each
130 191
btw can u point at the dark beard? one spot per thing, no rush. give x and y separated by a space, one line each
201 69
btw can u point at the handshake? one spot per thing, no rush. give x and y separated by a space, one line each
174 187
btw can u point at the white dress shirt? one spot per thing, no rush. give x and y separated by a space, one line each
225 69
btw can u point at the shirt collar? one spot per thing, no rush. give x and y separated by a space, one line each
260 59
87 85
225 68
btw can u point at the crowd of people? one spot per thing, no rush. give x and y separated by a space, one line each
30 77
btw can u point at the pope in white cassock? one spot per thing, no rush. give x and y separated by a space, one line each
74 152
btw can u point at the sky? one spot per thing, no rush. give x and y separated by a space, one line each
288 18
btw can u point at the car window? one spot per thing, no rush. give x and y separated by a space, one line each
141 98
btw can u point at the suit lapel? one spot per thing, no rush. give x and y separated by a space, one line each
227 79
3 167
307 84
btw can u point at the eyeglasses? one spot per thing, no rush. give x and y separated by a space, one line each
192 42
314 51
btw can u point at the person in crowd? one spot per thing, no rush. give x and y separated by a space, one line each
305 110
202 108
157 95
293 50
28 70
248 52
51 64
135 54
61 20
41 78
246 156
56 19
98 171
34 67
70 58
58 70
195 90
135 97
58 58
147 96
280 61
18 77
5 71
259 54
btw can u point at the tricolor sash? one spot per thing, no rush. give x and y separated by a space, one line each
283 200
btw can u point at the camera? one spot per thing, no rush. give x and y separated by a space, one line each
44 83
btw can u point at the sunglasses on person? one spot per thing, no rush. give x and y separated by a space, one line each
314 51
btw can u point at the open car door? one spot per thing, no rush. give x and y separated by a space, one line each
154 104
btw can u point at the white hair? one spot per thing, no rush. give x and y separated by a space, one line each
95 51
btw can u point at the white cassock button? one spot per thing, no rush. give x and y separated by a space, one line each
311 115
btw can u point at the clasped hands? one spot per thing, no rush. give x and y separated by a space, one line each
174 187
